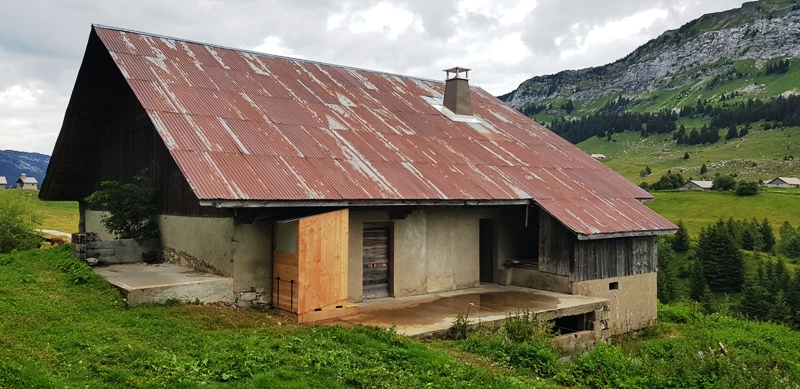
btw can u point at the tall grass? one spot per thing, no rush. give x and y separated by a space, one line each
63 326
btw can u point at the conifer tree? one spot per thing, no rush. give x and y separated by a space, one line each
665 288
680 241
703 169
780 312
767 236
697 281
722 262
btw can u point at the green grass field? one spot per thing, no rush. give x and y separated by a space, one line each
63 326
758 156
55 215
700 208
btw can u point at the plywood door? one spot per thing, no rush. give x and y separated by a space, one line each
322 259
377 260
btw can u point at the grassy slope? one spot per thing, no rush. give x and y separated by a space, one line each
62 326
56 333
698 209
758 156
56 215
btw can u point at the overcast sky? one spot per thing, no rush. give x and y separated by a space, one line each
504 41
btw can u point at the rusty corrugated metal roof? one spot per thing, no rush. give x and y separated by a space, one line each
245 126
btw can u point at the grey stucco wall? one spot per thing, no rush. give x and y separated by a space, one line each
435 250
93 224
209 240
252 258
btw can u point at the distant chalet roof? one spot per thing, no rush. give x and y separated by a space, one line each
251 129
27 180
789 180
702 184
3 180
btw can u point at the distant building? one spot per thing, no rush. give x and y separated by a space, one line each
3 182
598 156
784 182
25 182
697 185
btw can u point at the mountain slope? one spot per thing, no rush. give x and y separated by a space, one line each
708 47
13 163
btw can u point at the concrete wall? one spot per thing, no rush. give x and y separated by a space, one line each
632 305
206 241
435 249
240 251
93 224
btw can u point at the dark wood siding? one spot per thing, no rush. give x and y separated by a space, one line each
560 252
556 246
617 257
377 260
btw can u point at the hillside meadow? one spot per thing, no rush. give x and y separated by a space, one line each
64 326
698 209
758 156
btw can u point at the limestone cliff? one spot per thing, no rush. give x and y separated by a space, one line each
703 48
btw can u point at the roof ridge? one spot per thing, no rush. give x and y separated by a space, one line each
95 25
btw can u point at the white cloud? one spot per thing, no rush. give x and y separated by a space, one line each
504 41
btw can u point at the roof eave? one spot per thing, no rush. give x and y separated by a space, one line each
353 203
628 234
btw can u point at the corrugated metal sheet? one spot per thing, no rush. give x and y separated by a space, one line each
247 126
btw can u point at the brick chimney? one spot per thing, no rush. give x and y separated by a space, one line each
456 91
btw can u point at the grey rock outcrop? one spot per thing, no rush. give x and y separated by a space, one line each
678 57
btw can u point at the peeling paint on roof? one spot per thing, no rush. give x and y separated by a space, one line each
249 126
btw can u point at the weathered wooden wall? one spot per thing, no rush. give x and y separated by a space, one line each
560 252
556 246
617 257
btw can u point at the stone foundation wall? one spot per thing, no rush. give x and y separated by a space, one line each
183 259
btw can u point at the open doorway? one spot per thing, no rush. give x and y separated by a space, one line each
486 249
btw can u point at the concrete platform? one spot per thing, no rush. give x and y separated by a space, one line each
434 313
143 283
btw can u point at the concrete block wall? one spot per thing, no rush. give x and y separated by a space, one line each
633 303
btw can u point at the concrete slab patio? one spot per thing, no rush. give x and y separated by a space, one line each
434 313
144 283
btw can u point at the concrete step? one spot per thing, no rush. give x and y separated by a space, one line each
142 283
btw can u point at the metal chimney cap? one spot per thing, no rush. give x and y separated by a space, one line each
456 71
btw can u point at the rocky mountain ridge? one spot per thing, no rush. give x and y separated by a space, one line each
701 49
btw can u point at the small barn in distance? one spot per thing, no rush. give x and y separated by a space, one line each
3 182
784 182
25 182
697 185
319 186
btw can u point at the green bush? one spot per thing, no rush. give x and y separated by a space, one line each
130 208
18 220
747 188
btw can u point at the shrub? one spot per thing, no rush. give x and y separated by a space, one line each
747 188
723 183
18 219
130 208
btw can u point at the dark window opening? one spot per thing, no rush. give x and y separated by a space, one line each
570 324
613 285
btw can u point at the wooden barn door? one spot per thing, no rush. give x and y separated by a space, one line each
377 260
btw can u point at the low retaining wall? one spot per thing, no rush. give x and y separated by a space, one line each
86 246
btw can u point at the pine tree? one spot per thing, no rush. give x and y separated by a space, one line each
780 312
707 300
680 241
697 281
665 288
703 169
686 155
767 236
722 262
732 133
